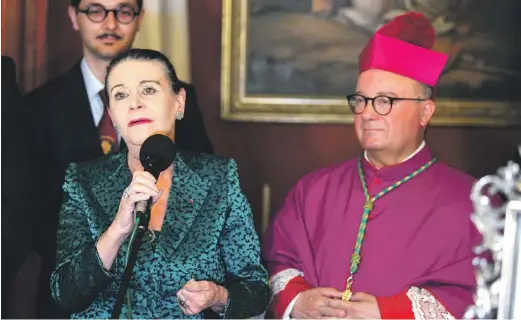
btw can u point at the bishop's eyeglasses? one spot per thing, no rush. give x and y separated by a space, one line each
97 13
381 104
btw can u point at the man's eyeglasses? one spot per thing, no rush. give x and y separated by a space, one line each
97 13
381 104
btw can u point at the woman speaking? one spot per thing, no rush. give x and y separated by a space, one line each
202 252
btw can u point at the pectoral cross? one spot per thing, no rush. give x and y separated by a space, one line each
346 296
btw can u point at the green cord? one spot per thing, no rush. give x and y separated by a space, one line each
369 204
129 249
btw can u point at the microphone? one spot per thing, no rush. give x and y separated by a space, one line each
156 155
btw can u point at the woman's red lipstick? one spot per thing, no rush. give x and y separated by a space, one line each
139 121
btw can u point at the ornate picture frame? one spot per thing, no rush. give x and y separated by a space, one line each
264 78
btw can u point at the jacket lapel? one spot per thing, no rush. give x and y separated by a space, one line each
186 199
114 178
80 115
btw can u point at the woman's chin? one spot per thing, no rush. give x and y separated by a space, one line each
137 138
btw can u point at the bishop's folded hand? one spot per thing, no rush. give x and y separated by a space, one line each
312 304
360 306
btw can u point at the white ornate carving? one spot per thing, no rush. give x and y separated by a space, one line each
425 306
489 218
280 280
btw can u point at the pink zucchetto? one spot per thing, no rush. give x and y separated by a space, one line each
404 46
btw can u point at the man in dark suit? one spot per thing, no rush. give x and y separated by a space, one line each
67 116
17 191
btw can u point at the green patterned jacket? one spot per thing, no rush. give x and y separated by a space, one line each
208 233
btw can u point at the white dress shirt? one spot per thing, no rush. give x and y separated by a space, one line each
93 86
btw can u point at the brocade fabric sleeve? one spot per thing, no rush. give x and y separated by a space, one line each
79 275
246 278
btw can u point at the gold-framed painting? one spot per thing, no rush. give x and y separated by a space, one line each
294 61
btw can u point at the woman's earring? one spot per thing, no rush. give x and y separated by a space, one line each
116 128
179 115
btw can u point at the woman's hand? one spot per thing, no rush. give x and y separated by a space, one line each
197 296
142 187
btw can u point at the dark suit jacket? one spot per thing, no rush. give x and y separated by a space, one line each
62 130
17 190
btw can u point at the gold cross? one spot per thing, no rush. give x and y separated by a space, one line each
346 296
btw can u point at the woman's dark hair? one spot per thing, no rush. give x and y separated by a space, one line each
145 55
76 4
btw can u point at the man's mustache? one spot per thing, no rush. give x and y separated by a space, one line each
109 35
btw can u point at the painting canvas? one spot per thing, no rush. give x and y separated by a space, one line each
295 60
